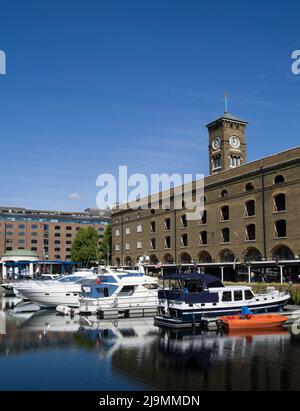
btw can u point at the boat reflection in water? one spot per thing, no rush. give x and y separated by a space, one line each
181 360
111 336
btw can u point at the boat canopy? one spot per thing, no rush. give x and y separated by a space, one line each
204 278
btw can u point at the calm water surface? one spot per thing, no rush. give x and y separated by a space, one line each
45 351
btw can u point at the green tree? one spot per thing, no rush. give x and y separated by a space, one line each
85 246
106 245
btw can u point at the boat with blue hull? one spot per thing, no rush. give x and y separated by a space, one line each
188 299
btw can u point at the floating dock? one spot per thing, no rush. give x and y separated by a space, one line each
136 312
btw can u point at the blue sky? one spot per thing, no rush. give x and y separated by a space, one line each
97 84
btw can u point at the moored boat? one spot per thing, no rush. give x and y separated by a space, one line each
242 322
189 298
119 292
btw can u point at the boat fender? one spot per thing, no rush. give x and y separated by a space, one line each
65 310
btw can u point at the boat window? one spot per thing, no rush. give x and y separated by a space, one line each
238 296
194 287
227 296
249 295
215 284
103 291
126 291
151 286
68 279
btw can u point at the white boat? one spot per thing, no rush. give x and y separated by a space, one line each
120 292
64 291
9 288
194 297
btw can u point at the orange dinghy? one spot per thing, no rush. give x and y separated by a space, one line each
242 322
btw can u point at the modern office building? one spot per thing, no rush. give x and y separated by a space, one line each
252 210
49 234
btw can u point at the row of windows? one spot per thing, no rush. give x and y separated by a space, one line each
280 231
46 250
224 193
250 211
45 242
46 227
35 234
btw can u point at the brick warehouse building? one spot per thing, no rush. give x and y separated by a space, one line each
47 233
252 210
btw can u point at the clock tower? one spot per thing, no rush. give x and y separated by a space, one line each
227 143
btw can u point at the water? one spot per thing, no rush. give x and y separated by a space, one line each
45 351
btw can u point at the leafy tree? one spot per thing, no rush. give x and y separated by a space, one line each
85 246
106 245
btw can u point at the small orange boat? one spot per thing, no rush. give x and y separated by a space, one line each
242 322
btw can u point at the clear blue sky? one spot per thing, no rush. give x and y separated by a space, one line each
94 84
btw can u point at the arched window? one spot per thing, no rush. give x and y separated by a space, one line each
139 228
279 203
203 238
167 242
217 162
225 234
167 224
249 187
225 214
203 218
153 259
153 244
227 256
152 227
224 193
250 208
204 257
184 240
252 254
235 161
128 261
251 232
185 258
117 233
69 228
168 259
279 179
183 221
283 253
280 229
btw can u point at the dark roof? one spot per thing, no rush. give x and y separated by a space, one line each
228 116
205 278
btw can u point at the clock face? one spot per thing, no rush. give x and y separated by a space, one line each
235 142
216 143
